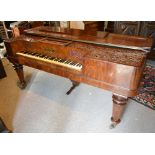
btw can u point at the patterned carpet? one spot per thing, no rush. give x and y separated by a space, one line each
146 95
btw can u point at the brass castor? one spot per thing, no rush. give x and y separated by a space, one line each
21 85
114 123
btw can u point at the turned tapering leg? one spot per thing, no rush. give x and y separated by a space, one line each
19 70
119 103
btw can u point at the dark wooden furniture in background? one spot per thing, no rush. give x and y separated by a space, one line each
19 27
138 28
127 27
110 27
148 29
110 61
2 71
94 26
3 30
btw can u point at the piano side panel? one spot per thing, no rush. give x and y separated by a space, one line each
135 81
112 73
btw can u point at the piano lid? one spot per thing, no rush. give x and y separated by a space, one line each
98 38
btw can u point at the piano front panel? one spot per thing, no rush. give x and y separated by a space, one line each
111 73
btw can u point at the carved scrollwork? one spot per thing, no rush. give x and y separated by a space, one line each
116 55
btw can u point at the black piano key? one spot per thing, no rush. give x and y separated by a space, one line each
51 58
46 57
41 55
26 52
71 63
32 53
55 59
37 54
68 62
59 60
78 65
62 60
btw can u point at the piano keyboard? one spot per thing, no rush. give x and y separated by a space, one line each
53 60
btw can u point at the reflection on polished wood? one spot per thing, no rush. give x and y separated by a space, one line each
109 61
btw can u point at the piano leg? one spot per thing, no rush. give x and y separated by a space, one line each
19 70
119 103
74 84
